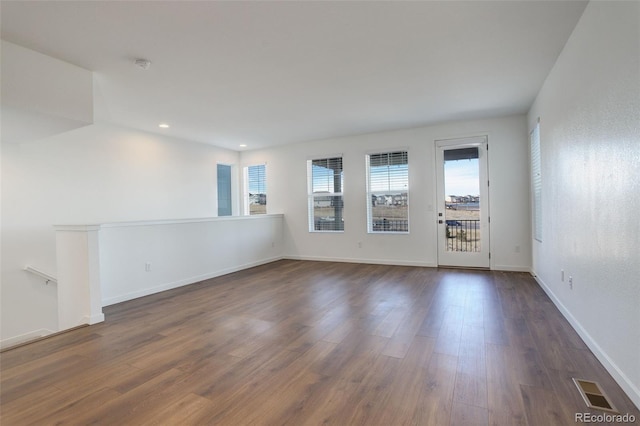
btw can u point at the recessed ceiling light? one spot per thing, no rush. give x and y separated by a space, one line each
163 125
243 145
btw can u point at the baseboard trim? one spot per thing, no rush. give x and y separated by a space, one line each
510 268
94 319
13 342
191 280
507 268
366 261
43 337
627 386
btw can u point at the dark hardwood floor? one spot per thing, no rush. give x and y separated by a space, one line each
309 343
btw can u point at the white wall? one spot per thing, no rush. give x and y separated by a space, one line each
589 109
41 95
509 194
95 174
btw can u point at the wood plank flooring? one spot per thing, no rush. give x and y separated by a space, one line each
310 343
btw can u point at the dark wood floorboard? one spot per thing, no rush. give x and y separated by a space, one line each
310 343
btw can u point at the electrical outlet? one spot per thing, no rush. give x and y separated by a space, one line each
570 282
562 275
517 249
147 267
359 244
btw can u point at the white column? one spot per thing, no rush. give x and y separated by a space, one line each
78 264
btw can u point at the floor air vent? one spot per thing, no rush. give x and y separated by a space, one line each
593 396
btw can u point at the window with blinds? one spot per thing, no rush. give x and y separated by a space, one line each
536 182
325 180
388 192
255 189
224 190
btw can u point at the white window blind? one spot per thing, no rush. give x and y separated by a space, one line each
224 190
255 189
325 179
388 192
536 182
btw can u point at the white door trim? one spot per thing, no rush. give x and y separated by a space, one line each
480 259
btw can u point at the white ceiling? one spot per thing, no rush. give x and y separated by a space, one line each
267 73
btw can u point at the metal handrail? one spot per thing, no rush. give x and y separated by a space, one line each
48 278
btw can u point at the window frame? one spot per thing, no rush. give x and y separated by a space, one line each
230 189
246 189
536 182
311 195
370 192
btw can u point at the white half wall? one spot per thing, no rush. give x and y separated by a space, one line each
589 109
137 259
78 281
509 194
95 174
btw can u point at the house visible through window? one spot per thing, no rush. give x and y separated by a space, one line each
255 198
224 190
325 179
388 192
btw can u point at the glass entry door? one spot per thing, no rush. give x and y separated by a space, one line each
463 213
